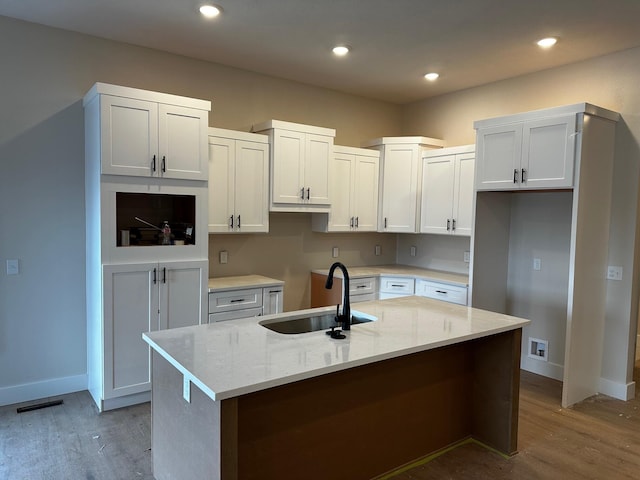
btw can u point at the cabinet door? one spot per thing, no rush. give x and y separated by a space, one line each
342 174
272 300
399 187
365 193
437 194
182 135
183 293
130 309
548 149
287 167
498 153
222 152
251 187
463 194
318 152
128 136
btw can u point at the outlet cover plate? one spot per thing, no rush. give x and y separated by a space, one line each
614 272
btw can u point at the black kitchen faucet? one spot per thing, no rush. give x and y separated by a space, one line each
345 317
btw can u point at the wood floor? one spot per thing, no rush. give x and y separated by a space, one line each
597 439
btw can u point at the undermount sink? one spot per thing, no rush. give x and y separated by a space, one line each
304 323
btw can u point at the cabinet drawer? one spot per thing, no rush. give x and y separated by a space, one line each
362 286
397 285
442 291
235 314
235 300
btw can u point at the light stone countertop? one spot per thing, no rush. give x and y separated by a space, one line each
221 284
229 359
402 271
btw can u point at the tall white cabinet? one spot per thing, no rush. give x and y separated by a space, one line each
400 173
146 160
300 156
353 190
238 182
447 191
541 236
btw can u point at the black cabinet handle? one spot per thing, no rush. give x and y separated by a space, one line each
441 291
231 221
155 278
238 221
351 223
453 225
302 193
357 218
361 286
448 224
153 163
385 222
164 275
515 175
275 291
308 193
164 164
236 300
396 285
522 177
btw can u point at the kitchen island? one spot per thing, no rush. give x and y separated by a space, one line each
235 400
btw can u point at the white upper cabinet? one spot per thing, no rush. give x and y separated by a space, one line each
151 134
353 190
447 191
530 153
400 173
238 182
300 156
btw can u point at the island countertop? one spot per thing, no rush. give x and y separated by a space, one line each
233 358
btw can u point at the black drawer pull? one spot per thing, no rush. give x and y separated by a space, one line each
361 286
442 292
395 285
236 300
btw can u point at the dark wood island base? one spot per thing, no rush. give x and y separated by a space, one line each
358 423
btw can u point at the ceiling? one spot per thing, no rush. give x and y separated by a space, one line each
394 42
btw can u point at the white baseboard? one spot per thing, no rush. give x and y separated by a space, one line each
546 369
621 391
46 388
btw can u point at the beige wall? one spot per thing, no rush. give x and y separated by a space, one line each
611 82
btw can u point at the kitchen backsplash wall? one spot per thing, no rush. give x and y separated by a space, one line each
438 252
291 250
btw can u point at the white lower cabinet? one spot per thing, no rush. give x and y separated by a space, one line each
393 287
362 289
441 291
139 298
244 303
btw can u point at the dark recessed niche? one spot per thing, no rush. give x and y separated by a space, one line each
178 210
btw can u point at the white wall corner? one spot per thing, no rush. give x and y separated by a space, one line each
46 388
621 391
546 369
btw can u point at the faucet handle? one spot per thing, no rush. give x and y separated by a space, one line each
337 334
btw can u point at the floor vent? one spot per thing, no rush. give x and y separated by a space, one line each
38 406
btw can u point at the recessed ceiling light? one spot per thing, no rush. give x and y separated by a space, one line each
210 11
431 76
547 42
341 50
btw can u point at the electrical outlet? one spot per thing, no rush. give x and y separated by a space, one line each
413 250
537 264
466 257
224 256
335 252
377 250
13 267
614 273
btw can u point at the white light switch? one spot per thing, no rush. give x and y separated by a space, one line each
413 250
537 264
335 251
466 257
224 256
13 267
377 250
